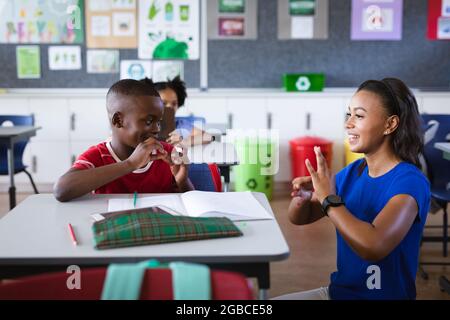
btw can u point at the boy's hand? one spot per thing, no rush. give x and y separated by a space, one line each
180 173
179 163
149 150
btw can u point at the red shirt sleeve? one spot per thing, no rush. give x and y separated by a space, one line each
88 160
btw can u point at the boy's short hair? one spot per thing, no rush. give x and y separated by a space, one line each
130 87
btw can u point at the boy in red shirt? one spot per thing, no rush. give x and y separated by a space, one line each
134 160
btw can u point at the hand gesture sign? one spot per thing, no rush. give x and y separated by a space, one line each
322 179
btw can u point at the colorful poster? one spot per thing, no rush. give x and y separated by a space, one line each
231 6
135 69
37 21
169 29
64 57
443 28
103 61
124 4
167 70
445 8
377 19
28 62
438 20
111 24
303 19
232 26
302 27
232 20
100 26
302 7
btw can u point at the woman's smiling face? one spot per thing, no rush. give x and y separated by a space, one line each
365 122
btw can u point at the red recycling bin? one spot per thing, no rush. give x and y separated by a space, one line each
303 148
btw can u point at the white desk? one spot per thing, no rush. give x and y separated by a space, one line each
34 238
223 154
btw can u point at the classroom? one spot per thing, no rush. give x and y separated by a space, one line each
224 150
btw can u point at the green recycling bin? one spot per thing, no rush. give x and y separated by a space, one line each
258 165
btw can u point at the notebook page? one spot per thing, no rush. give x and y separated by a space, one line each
234 205
171 203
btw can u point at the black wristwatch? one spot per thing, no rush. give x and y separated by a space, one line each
331 201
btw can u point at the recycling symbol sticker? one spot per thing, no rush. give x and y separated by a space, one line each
303 84
252 184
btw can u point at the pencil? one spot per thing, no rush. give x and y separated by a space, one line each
72 235
135 199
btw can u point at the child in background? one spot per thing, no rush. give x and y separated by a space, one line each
173 94
134 160
378 204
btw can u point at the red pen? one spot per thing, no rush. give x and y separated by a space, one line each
72 235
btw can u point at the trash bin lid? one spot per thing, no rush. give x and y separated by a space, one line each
309 141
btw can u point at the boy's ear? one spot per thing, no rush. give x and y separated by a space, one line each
117 120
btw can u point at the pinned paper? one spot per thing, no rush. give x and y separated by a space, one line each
64 57
302 27
28 62
135 69
103 61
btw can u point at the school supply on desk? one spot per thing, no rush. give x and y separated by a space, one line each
153 225
135 199
233 205
72 235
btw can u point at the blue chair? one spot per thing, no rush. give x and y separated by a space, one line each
198 122
19 147
192 119
201 177
438 171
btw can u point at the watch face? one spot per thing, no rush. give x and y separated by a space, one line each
334 199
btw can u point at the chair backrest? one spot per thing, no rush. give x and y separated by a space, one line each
201 177
215 174
157 285
437 167
19 147
196 121
18 120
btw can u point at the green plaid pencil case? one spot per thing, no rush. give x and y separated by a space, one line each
153 226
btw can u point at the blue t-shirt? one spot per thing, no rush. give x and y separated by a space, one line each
365 197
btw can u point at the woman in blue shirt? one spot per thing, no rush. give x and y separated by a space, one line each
378 204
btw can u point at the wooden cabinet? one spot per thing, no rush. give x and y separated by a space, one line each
212 109
88 119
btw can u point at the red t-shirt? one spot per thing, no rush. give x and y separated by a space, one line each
155 177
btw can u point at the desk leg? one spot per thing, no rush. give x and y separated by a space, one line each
444 284
225 171
263 295
12 187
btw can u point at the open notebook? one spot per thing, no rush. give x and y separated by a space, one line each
233 205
